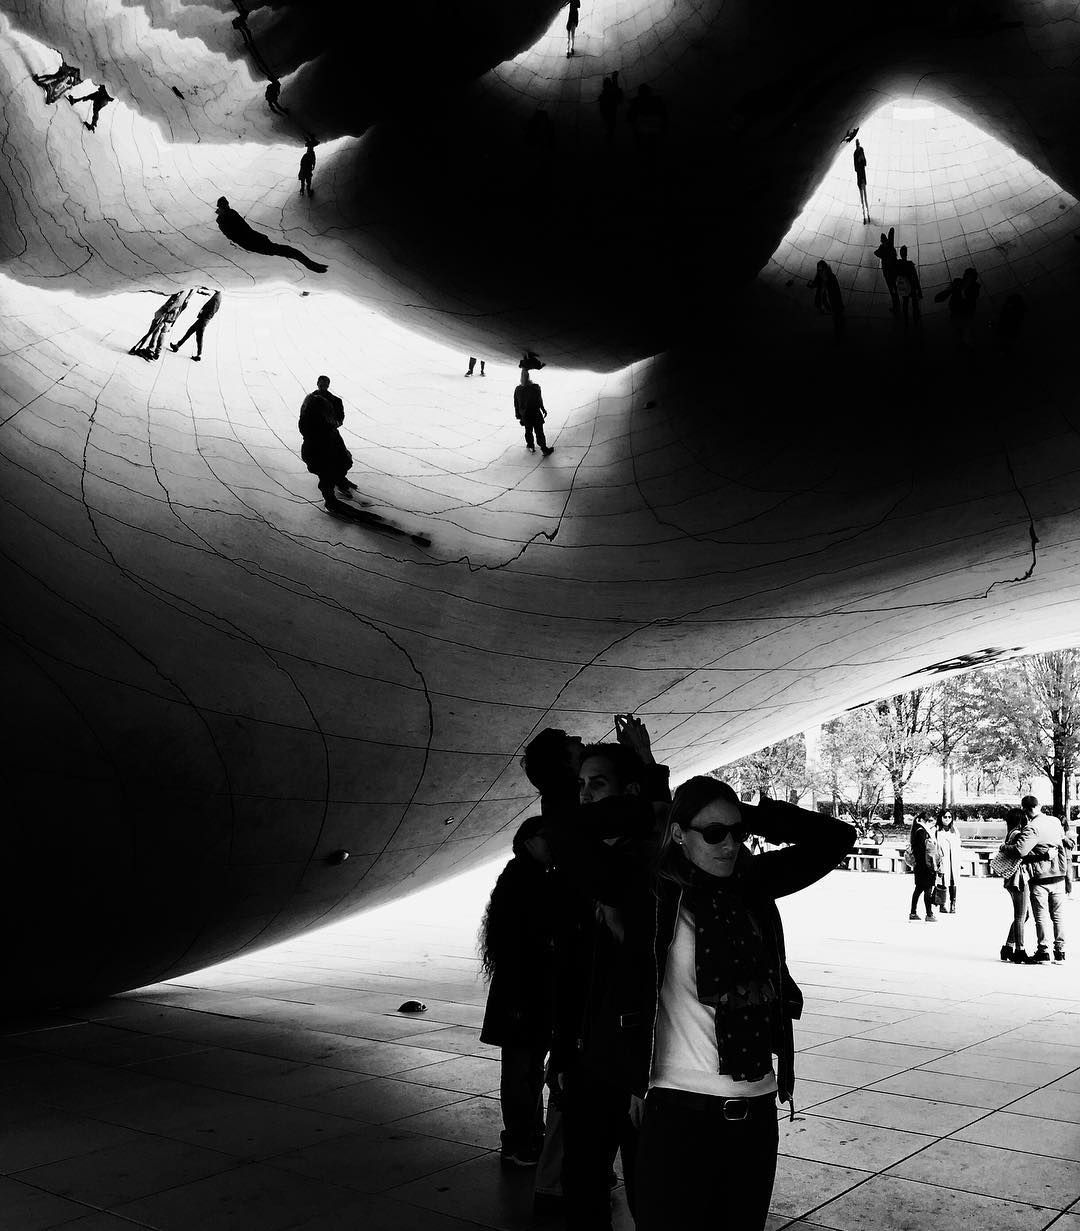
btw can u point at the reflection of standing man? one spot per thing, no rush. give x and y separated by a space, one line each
530 412
323 451
206 314
859 158
307 168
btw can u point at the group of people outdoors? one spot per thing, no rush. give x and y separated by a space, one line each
149 346
637 967
1034 862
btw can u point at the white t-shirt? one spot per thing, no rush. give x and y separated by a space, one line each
685 1056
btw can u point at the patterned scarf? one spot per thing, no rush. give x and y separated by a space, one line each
738 974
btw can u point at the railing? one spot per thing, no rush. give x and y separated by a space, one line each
974 861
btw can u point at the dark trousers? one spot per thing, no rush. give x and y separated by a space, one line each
926 889
521 1092
697 1169
596 1122
198 328
1021 914
535 424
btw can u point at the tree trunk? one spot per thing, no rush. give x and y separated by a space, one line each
898 808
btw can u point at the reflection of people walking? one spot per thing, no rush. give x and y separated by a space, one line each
886 254
307 168
827 297
273 93
907 285
149 345
99 98
233 226
530 412
571 26
323 451
609 102
860 179
55 84
206 314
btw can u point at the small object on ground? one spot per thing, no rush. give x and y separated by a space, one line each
413 1006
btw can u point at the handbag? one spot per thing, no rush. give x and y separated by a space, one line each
939 896
1005 863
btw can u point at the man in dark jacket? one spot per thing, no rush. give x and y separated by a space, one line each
1041 845
206 314
530 413
323 451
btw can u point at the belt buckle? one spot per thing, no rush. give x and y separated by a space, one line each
736 1109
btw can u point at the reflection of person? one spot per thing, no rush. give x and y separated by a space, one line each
307 168
272 94
610 100
233 227
149 345
198 327
472 366
859 157
55 84
827 296
516 957
530 413
886 254
98 99
323 451
571 26
715 1000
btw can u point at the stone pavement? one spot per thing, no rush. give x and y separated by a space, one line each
938 1088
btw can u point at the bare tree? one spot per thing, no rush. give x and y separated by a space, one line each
903 724
851 765
1043 709
955 714
778 770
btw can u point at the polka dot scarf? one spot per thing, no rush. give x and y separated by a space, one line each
738 974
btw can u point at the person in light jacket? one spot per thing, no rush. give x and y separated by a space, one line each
950 849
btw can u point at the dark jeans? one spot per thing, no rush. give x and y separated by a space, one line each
521 1092
198 328
596 1122
696 1169
1021 912
926 891
531 425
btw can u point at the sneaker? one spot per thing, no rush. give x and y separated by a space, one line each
196 358
531 448
174 347
1041 955
913 915
931 918
548 451
1059 955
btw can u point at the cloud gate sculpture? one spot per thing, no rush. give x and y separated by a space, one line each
750 520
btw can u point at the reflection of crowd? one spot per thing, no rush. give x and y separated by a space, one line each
633 943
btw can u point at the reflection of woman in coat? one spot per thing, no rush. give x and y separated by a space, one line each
516 956
950 848
925 851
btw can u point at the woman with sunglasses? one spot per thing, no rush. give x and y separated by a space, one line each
722 1006
950 850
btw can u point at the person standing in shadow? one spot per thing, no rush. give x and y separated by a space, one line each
323 451
571 26
907 286
530 413
827 296
233 227
55 84
609 102
273 93
886 254
307 168
98 98
198 327
149 345
860 179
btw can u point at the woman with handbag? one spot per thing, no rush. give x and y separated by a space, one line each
924 853
949 851
1014 878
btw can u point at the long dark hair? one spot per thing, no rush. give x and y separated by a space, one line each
688 800
505 905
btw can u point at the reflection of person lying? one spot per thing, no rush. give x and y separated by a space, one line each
233 226
58 83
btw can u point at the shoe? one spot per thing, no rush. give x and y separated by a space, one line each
548 451
196 358
468 373
174 347
913 915
931 918
1022 958
1041 955
1006 953
1059 955
531 448
952 910
345 492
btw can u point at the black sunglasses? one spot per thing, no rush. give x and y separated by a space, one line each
716 833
